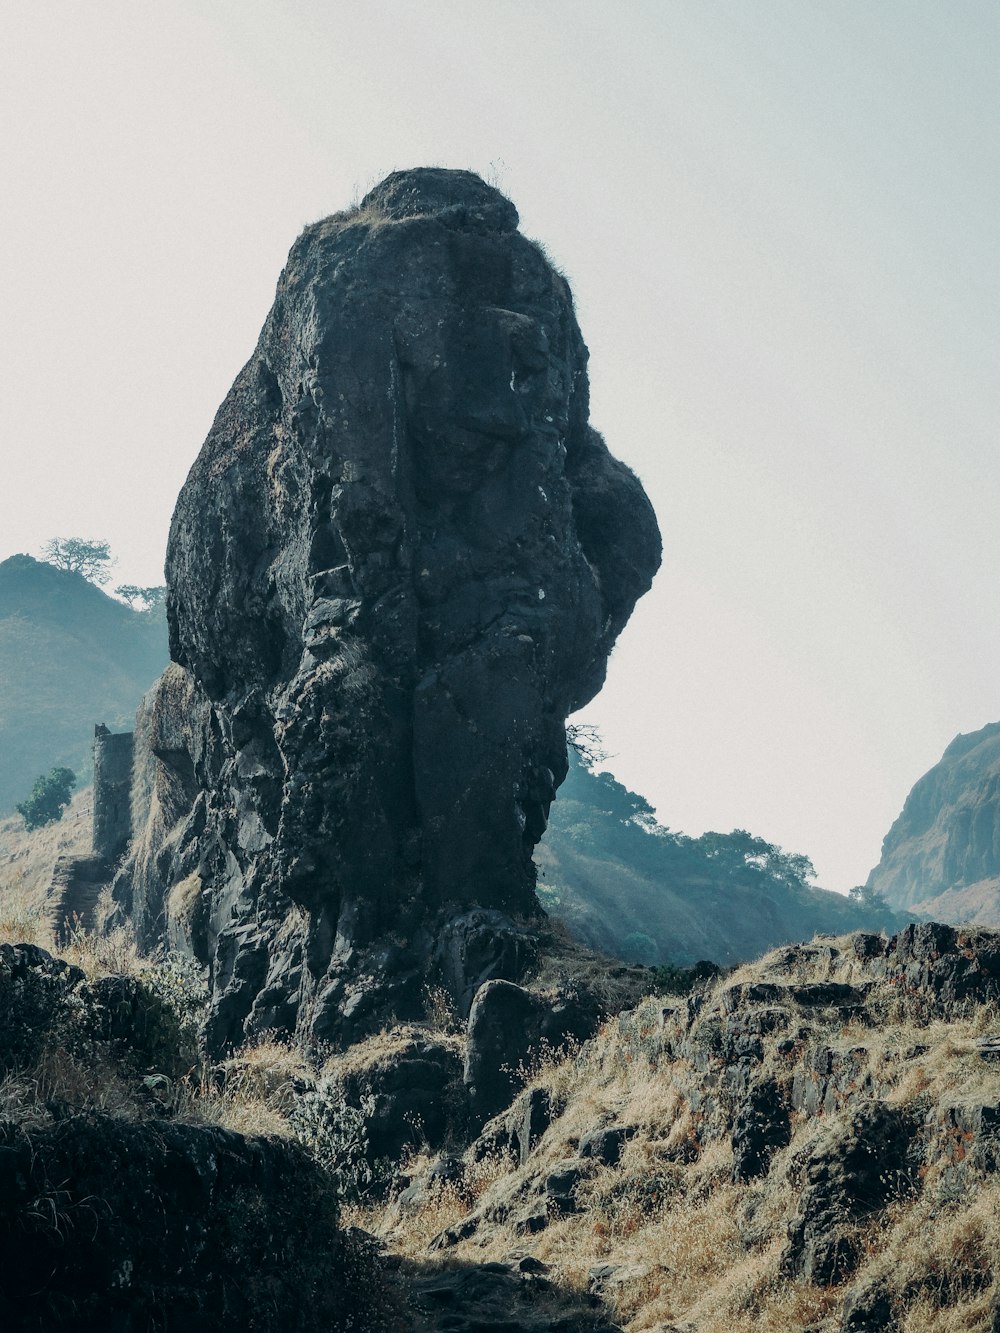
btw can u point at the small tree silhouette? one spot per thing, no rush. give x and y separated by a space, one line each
92 559
49 797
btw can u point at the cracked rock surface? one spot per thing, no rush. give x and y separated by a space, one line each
400 560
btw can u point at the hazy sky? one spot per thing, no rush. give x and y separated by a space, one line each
780 221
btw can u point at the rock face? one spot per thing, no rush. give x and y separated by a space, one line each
942 855
400 560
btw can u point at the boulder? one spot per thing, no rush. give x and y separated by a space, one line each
605 1145
129 1226
509 1027
35 991
411 1094
854 1170
503 1030
761 1126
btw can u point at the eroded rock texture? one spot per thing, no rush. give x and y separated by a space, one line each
400 560
942 855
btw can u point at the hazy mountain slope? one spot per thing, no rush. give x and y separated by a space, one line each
942 855
633 888
70 656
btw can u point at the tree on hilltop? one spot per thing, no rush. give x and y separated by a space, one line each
142 599
92 559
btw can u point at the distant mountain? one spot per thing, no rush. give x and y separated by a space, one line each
942 855
70 656
628 886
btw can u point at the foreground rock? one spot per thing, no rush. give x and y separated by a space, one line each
116 1215
132 1226
810 1143
400 560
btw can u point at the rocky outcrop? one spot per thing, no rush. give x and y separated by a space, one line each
852 1172
400 560
942 855
782 1121
108 1224
130 1218
509 1027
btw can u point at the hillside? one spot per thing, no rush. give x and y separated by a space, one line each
806 1144
70 657
942 855
27 860
632 888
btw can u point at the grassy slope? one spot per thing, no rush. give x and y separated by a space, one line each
610 881
26 862
701 1251
693 1246
70 657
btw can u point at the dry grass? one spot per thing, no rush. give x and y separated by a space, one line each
253 1091
692 1246
26 865
696 1248
386 1047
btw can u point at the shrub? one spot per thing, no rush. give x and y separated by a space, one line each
49 798
336 1136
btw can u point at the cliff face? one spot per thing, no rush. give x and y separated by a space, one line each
942 855
400 560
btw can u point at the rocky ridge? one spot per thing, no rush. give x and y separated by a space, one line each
808 1143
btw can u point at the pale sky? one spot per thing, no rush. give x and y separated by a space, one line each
780 222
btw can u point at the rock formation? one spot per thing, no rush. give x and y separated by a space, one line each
400 560
942 855
781 1122
115 1213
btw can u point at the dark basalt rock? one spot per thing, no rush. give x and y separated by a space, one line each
762 1125
34 995
508 1028
868 1310
852 1173
411 1097
503 1027
605 1145
400 560
129 1226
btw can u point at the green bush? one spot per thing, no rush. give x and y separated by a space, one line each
49 798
